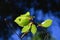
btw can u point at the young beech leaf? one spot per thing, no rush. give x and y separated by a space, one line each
46 23
26 28
23 21
33 29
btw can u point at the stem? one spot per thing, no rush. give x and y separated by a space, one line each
39 25
23 35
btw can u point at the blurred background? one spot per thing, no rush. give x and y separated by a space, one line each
42 9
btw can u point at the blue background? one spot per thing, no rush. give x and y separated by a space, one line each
41 9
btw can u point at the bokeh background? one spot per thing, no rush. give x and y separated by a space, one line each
42 9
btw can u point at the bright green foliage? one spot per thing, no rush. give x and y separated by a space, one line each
23 20
26 28
46 23
33 29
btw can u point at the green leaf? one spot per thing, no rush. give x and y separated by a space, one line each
26 28
46 23
23 21
33 29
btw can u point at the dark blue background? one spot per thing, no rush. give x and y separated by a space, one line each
41 9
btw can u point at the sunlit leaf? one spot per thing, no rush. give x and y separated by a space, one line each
26 28
33 29
46 23
23 21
